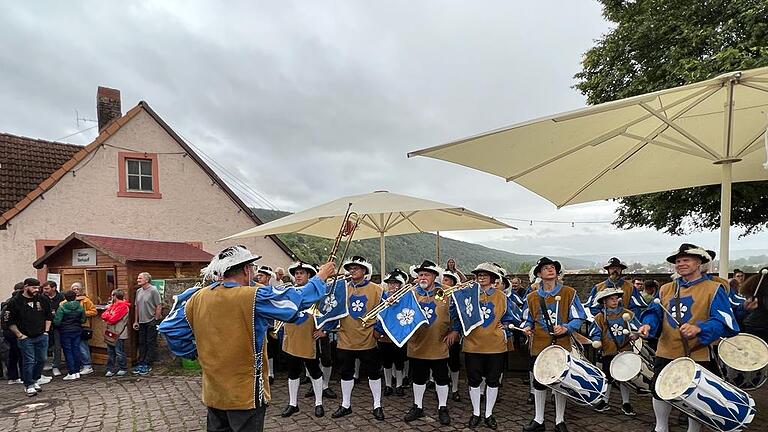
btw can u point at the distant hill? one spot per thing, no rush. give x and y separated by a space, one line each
404 250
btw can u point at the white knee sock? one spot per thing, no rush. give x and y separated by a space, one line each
306 372
442 395
398 378
624 393
559 408
418 393
317 386
346 392
490 400
530 379
388 377
501 377
293 392
271 365
357 368
474 396
661 409
540 400
375 386
431 378
327 376
608 393
693 425
454 382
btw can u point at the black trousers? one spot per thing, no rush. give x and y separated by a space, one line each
607 367
488 366
14 356
392 355
296 366
236 420
370 363
324 352
454 357
420 369
147 342
273 346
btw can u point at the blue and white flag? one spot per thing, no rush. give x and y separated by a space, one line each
467 303
401 320
334 305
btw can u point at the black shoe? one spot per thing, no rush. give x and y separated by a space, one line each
414 413
531 399
444 416
309 393
319 411
560 427
388 391
289 411
628 410
271 380
474 422
378 413
602 406
341 412
304 380
534 427
329 393
456 397
399 391
490 422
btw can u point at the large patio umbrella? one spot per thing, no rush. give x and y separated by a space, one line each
681 137
381 214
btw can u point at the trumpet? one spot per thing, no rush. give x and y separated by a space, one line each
442 294
389 301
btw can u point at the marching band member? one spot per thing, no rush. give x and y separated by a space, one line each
392 355
454 351
300 349
428 347
486 346
357 341
701 306
608 329
229 321
264 275
631 298
553 311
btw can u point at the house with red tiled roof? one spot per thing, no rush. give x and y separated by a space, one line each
138 179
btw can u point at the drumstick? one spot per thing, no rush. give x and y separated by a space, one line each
728 341
763 272
514 327
674 320
557 309
597 344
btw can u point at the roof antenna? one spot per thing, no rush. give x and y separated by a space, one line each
79 119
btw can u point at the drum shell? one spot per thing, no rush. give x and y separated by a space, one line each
641 380
580 380
711 401
745 380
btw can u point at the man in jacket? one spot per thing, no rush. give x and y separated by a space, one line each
54 340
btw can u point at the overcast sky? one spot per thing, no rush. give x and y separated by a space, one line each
309 101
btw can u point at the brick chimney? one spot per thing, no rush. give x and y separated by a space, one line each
107 106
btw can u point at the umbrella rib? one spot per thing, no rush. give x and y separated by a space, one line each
752 143
373 223
669 146
755 86
682 131
405 218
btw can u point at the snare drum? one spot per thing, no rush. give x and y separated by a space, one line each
571 375
699 393
743 359
632 369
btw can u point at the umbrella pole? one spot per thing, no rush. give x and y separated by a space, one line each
437 246
725 218
382 249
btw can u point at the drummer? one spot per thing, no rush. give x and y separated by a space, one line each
607 332
702 306
552 312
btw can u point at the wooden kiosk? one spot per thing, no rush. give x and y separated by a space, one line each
104 263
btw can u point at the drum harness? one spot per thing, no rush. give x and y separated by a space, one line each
679 319
548 321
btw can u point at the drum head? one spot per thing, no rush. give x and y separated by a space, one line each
625 366
744 352
550 365
675 378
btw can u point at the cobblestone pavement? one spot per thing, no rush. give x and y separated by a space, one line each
172 403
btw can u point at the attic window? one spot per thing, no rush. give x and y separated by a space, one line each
138 175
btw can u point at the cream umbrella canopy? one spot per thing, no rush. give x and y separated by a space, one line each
381 214
671 139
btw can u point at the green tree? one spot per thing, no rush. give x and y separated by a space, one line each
657 44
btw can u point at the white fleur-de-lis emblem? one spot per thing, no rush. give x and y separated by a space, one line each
468 307
357 305
428 312
485 312
617 330
683 310
330 303
405 316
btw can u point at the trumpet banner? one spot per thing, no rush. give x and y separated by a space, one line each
401 320
333 306
467 303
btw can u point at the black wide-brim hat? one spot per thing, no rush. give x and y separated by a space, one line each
688 249
301 265
429 266
545 261
396 275
614 262
359 261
